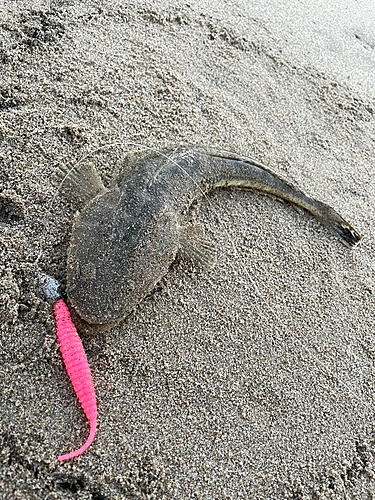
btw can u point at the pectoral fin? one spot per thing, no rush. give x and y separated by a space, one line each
195 247
79 184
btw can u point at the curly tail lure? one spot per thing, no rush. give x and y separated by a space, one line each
74 358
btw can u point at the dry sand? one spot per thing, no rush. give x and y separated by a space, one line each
252 380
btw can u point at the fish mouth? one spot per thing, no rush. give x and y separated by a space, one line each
87 328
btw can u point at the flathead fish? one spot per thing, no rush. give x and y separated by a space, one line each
125 237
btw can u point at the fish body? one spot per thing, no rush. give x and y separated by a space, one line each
125 238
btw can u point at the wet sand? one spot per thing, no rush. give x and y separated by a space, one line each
251 380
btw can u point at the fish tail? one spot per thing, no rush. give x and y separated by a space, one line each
244 172
336 224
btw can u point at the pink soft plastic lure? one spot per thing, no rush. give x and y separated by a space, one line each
74 358
78 369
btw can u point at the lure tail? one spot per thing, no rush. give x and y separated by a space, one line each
78 369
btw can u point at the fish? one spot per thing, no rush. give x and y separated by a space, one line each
125 237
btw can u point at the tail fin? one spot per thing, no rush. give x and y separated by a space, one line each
331 219
80 183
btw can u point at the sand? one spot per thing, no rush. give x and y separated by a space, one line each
251 380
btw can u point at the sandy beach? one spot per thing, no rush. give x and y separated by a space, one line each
251 380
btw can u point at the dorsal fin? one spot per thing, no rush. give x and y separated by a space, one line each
79 184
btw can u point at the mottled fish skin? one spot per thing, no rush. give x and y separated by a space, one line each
126 237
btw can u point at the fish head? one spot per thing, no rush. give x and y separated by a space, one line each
116 259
